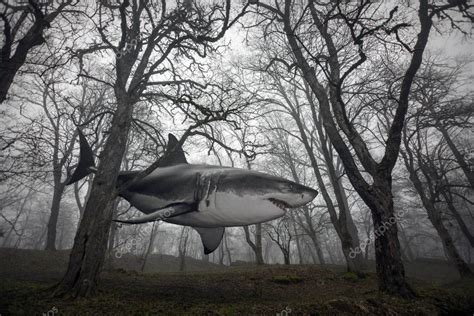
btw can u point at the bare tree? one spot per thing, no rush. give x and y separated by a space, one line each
339 212
64 137
183 247
149 248
280 233
361 21
256 245
24 24
429 192
143 27
288 159
226 246
20 210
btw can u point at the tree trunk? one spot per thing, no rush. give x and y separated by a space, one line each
449 246
367 250
23 228
221 254
311 252
20 211
182 261
229 255
182 248
10 66
110 256
332 258
312 235
434 214
297 239
406 246
349 234
39 242
389 266
257 246
286 256
342 223
458 217
149 249
317 246
468 171
90 244
377 195
53 219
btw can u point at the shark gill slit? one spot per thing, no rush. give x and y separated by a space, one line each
197 188
218 177
212 188
208 181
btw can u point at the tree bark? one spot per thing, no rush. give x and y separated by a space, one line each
311 251
149 249
90 244
406 249
221 254
10 64
257 246
448 244
462 225
377 194
434 215
389 266
457 154
229 254
313 236
297 240
332 258
182 248
53 219
343 224
17 217
286 256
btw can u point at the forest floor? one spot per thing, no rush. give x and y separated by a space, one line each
205 288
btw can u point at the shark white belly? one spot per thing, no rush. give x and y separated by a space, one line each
223 209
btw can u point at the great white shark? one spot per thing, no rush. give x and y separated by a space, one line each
205 197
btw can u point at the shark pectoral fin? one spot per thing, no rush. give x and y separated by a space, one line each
161 214
210 237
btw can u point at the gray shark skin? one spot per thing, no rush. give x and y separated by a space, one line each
206 197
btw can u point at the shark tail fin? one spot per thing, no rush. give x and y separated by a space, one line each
86 163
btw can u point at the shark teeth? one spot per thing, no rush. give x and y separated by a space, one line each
279 204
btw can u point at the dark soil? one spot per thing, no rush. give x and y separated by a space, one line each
205 288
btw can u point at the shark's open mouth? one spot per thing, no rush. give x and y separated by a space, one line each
281 204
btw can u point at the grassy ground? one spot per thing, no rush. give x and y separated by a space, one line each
270 290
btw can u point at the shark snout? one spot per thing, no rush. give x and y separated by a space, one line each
303 196
309 194
299 195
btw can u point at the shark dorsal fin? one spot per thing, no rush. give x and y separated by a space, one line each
174 154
